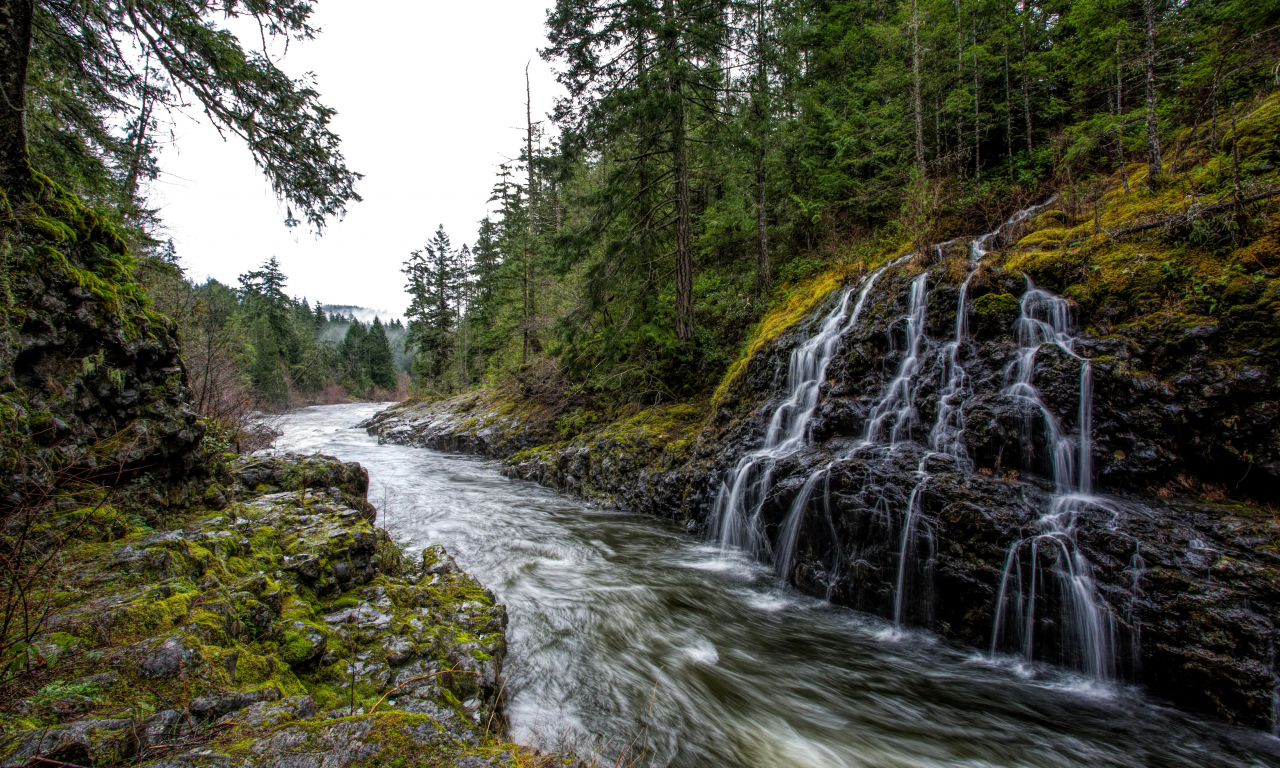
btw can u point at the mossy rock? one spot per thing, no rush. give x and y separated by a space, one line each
995 313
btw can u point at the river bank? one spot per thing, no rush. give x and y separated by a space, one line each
627 634
262 629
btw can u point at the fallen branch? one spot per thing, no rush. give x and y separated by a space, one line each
414 680
1184 218
56 763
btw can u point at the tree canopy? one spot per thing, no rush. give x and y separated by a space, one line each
82 69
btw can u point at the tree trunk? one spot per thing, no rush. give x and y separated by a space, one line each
1008 107
977 114
916 99
680 167
530 343
140 135
763 276
1124 172
959 85
15 48
684 227
1153 129
1026 91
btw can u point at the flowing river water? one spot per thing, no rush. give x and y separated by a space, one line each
628 635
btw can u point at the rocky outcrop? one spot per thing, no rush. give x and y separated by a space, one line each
1184 409
1190 586
91 379
282 628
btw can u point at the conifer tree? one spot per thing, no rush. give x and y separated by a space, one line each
378 357
433 275
267 368
641 76
353 356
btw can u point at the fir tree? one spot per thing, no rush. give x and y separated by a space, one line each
434 277
353 356
267 368
378 357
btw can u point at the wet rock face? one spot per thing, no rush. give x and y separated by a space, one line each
1186 590
1189 590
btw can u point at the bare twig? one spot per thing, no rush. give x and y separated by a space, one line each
415 679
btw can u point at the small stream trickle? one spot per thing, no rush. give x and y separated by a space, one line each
1087 627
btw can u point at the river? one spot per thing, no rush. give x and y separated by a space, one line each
631 638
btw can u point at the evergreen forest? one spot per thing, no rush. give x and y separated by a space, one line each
709 157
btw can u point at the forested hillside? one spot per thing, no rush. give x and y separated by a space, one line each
709 156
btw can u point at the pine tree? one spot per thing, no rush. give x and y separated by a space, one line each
378 357
433 275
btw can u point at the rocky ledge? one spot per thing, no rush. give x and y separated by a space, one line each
278 627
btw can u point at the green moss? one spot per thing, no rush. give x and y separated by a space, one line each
793 304
995 305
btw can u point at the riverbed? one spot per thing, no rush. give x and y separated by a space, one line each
632 640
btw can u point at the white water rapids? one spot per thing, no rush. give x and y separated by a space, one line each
625 630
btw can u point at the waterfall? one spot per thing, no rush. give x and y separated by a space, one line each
897 402
739 502
1138 568
893 415
948 428
1087 624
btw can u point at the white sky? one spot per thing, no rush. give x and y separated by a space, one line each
430 99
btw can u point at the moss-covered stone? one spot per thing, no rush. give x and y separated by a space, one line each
223 632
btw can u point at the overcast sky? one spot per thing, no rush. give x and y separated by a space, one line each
430 99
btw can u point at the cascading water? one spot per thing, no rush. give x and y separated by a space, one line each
896 407
1087 625
948 428
894 412
893 415
625 635
738 505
